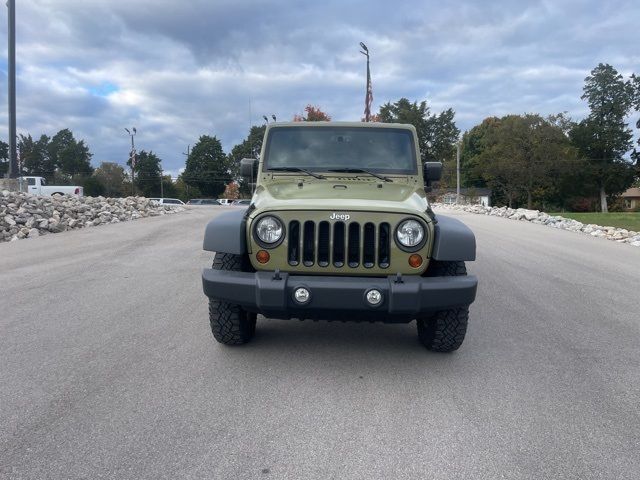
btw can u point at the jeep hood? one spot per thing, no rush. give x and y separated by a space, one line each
339 195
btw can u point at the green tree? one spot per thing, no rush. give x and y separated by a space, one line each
111 176
250 147
603 137
35 158
4 158
634 84
92 186
184 191
148 173
518 156
207 168
72 157
437 134
312 114
168 187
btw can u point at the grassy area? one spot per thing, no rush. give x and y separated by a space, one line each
628 220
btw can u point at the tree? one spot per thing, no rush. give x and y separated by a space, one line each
35 158
519 156
313 114
70 156
185 192
93 187
4 158
603 137
148 173
111 176
634 84
207 167
437 134
232 191
248 148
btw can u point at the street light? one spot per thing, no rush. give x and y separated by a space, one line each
132 156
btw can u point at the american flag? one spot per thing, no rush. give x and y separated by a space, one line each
369 98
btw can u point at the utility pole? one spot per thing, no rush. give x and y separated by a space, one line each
132 157
13 158
161 186
458 172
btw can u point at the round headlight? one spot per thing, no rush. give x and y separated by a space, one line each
410 233
269 229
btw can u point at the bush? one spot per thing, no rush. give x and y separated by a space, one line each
92 187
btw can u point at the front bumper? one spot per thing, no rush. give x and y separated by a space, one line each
339 298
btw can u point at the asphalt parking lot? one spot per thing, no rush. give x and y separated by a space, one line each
108 368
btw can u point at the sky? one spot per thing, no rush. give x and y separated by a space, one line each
180 69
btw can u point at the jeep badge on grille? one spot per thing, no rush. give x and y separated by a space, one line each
339 216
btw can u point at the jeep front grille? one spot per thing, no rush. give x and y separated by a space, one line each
328 243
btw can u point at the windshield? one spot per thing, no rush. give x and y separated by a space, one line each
383 150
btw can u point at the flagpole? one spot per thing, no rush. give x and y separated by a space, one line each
368 99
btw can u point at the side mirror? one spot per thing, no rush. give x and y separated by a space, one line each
249 168
432 171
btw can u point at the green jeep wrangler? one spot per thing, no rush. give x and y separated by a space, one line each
340 228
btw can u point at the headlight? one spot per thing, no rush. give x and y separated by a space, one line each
269 230
410 233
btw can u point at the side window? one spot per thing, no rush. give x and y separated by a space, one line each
31 181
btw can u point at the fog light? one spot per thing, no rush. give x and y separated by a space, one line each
415 260
302 295
263 256
374 297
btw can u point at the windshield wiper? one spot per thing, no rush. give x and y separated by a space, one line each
361 170
294 169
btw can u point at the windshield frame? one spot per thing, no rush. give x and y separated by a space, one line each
327 170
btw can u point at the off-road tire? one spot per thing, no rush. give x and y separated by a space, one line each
444 331
230 323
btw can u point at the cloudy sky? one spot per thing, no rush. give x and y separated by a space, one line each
179 69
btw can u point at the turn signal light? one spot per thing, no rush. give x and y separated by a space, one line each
263 256
415 260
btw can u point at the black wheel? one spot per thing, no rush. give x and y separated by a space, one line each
444 331
231 324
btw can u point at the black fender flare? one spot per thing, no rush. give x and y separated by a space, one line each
226 233
453 241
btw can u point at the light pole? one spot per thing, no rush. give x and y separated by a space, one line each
368 99
11 60
132 156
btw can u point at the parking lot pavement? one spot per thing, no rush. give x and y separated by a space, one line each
108 369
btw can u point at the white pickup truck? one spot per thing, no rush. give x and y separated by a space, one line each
38 186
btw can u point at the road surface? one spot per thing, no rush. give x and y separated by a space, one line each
108 368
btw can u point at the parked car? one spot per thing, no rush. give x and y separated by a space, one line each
38 186
225 201
244 201
172 202
203 201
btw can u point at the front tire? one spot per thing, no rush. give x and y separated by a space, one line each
444 331
230 323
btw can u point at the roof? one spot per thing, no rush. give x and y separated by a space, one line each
340 124
632 192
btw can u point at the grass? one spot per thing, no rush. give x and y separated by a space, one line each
628 220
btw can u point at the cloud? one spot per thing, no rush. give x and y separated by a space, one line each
177 70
